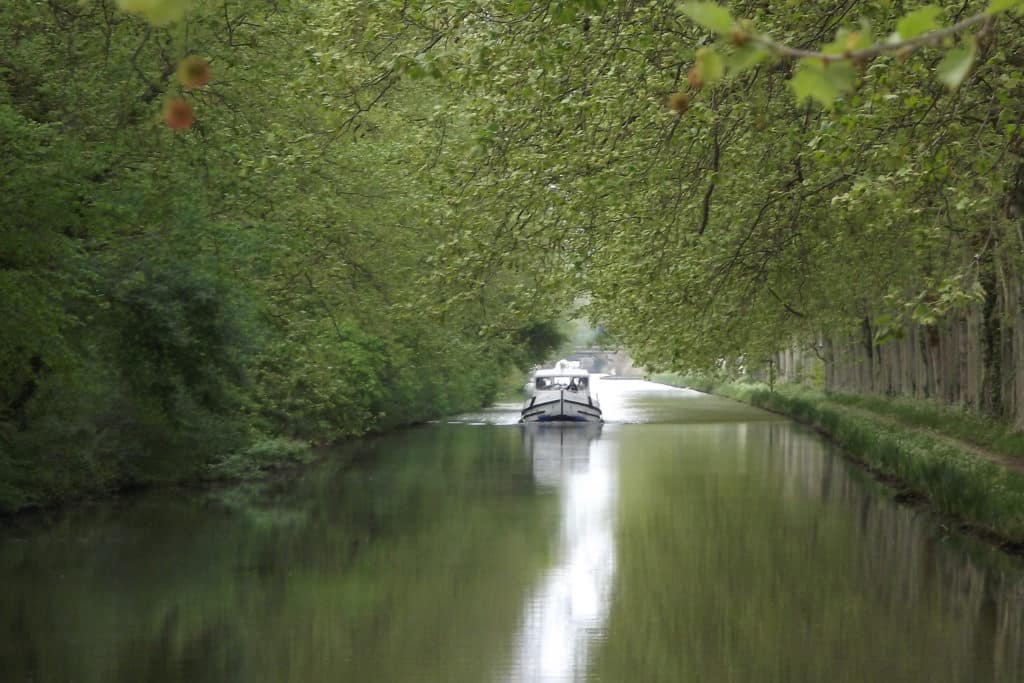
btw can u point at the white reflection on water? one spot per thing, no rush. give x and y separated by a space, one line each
567 612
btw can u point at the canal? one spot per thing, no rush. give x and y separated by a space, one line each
687 539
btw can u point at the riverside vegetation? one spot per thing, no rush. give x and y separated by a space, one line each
228 224
181 302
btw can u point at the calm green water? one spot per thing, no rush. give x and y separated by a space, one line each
688 539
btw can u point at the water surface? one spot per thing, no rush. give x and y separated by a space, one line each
687 539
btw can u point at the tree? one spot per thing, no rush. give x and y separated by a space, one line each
731 220
212 237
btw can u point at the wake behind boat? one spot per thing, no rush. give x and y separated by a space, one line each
561 394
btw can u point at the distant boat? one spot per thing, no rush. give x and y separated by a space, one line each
561 394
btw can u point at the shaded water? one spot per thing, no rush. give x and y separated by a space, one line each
688 539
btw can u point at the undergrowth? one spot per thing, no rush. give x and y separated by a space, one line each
262 456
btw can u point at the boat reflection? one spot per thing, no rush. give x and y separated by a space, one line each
567 613
557 449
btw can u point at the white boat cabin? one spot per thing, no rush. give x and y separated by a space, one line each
561 393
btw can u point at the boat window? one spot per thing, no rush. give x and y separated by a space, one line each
573 383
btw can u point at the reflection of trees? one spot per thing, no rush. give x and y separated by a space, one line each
762 558
213 652
413 568
740 554
18 649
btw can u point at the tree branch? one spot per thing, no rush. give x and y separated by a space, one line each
869 53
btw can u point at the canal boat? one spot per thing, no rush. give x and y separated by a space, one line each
561 394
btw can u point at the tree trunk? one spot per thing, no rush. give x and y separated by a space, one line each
973 358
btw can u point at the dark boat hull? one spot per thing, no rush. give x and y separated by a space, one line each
563 408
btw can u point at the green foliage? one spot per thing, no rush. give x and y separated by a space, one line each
918 21
538 339
259 457
157 12
996 6
174 296
955 66
752 219
820 82
173 334
710 15
921 26
710 66
380 208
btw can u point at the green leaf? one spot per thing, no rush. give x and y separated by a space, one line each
710 65
888 334
849 41
810 83
157 12
565 13
955 66
822 84
710 15
746 57
997 6
919 21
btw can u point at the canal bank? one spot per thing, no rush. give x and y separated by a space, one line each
980 490
33 484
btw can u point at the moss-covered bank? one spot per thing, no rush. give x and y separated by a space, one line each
983 497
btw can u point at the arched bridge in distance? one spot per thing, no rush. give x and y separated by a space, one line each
614 362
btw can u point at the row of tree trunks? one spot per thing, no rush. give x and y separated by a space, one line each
795 364
973 357
1013 376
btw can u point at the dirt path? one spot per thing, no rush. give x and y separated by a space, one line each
1004 461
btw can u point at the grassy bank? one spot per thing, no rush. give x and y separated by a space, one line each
983 497
974 428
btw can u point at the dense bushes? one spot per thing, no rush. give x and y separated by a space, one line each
176 380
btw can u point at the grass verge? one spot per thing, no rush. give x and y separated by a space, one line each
954 422
986 499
